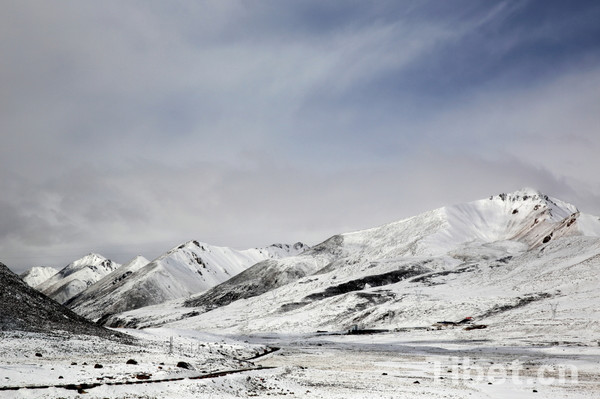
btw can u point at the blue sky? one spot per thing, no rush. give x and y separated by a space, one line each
130 126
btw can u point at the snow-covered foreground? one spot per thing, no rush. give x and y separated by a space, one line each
426 364
32 360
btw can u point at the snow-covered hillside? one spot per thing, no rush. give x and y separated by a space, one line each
525 217
37 275
92 300
502 286
184 270
483 258
76 277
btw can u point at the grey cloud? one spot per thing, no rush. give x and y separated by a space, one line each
129 127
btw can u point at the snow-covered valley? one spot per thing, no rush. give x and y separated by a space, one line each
445 363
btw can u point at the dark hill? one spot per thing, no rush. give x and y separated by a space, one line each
22 308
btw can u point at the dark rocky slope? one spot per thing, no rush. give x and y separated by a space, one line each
23 308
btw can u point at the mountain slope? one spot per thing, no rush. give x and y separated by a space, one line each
346 278
526 217
76 277
37 275
545 292
23 308
189 268
91 301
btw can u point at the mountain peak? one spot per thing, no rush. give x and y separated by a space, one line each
77 276
523 194
556 208
90 260
92 256
190 245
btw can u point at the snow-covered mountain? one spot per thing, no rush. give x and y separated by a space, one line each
483 258
525 217
190 268
37 275
92 300
548 292
76 277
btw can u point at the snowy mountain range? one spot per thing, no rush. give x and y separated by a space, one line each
525 218
76 277
187 269
504 259
507 281
509 257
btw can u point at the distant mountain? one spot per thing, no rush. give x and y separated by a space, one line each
37 275
76 277
92 301
23 308
498 253
187 269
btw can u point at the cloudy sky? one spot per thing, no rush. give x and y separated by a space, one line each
128 127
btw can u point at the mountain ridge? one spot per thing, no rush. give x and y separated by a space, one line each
186 269
448 241
430 233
